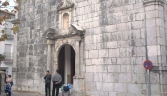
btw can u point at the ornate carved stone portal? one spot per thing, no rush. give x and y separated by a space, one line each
67 35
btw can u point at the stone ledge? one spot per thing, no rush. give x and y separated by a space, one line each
158 68
153 2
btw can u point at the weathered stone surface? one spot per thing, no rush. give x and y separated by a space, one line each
135 88
31 45
120 87
118 33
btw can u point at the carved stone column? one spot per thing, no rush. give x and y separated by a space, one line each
78 79
77 67
49 53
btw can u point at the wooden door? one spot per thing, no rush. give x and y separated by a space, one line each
72 64
61 62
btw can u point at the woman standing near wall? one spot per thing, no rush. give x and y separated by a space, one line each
9 80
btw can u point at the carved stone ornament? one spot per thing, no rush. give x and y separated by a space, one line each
66 4
49 33
74 30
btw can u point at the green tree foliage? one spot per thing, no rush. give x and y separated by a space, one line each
2 57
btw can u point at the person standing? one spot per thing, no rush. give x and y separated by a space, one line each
56 83
9 80
47 83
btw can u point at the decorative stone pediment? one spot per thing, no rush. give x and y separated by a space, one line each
153 2
73 30
66 4
49 33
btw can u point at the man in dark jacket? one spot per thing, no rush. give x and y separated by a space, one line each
47 83
56 83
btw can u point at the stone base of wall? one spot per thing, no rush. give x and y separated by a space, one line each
78 93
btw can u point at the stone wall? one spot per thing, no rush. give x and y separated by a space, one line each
118 35
36 17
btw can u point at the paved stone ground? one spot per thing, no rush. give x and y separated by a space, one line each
16 93
24 94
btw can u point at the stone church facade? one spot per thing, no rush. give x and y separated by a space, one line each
98 46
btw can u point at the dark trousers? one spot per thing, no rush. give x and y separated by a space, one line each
9 94
55 86
47 89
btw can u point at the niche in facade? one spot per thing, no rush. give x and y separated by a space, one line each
65 21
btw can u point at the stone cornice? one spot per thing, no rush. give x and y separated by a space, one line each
67 35
153 2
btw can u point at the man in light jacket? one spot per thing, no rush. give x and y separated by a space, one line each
56 83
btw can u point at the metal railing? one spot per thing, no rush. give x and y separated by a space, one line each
8 57
8 32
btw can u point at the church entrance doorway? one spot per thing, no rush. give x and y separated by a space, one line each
66 63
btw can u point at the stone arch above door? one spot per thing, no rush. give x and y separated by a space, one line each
72 41
61 42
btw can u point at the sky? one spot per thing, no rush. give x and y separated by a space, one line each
12 3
